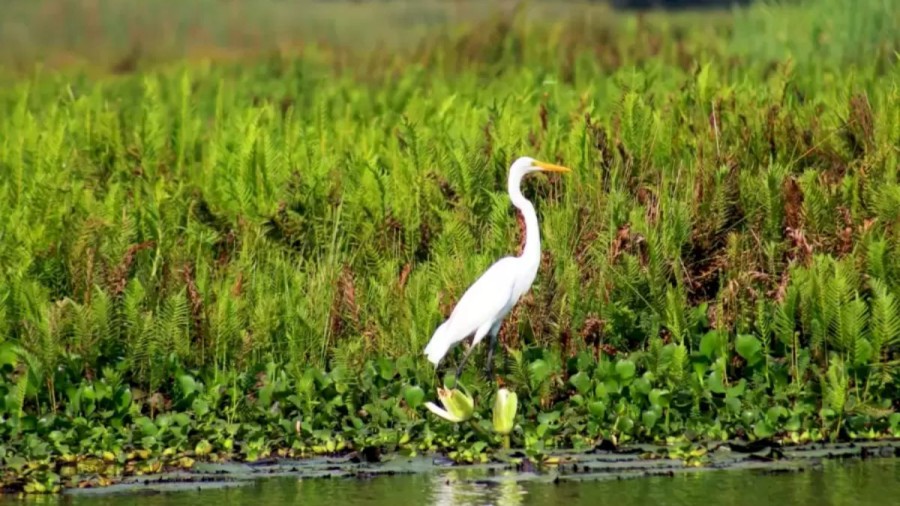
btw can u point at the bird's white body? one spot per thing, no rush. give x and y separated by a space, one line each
482 308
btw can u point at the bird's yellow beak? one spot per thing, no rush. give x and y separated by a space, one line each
549 167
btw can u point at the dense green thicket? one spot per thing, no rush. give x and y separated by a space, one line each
260 251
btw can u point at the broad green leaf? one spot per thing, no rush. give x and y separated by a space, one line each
200 407
711 343
642 386
763 429
187 385
737 389
8 355
659 397
597 408
775 413
548 417
894 422
386 368
749 348
414 396
146 426
123 399
625 369
714 382
734 404
749 416
581 382
540 370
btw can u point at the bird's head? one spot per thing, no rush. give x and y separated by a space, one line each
526 164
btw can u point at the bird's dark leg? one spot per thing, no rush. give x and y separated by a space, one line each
463 362
489 367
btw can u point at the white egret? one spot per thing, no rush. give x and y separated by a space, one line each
484 305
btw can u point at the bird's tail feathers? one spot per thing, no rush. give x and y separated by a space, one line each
437 347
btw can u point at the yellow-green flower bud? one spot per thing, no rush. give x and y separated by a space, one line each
505 405
457 406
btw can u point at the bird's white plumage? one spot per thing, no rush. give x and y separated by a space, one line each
483 306
478 309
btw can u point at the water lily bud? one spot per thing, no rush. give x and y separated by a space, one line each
457 406
505 405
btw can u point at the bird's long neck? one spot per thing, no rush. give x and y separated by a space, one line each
532 250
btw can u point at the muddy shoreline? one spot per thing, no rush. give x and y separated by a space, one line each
627 462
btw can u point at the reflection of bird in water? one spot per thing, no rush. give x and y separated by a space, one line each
511 492
446 489
451 489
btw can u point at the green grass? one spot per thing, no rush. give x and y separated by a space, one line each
283 234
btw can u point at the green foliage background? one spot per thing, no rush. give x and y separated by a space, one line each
302 222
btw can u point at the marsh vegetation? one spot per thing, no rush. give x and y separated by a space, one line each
240 257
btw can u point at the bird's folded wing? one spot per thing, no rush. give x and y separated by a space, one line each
484 300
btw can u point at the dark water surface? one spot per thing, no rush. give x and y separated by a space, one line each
853 482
